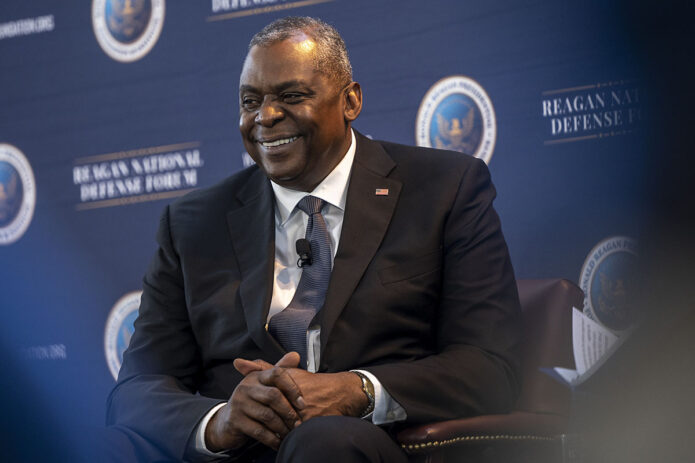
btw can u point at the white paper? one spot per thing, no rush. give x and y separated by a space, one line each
592 344
567 375
591 341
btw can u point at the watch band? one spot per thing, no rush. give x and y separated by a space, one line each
368 389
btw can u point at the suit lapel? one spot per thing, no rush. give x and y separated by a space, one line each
367 217
253 236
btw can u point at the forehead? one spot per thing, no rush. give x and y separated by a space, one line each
293 58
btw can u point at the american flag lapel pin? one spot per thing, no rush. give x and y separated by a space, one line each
382 192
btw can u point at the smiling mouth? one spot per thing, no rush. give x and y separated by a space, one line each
280 142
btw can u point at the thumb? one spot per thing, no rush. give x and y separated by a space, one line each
289 360
245 367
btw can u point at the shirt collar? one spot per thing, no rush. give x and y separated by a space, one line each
332 189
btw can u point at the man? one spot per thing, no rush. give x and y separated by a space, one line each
406 294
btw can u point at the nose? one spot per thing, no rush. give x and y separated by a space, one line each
269 113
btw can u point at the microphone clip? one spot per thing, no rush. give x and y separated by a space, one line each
304 251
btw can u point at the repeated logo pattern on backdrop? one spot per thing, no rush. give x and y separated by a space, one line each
608 281
457 114
119 329
137 175
17 194
587 112
231 9
127 29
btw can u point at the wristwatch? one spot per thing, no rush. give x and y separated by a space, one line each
368 389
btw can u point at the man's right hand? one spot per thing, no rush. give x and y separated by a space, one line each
257 411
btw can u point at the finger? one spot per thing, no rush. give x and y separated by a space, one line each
221 434
289 360
245 367
263 364
268 418
257 431
273 398
279 377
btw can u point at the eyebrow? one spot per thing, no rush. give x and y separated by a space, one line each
279 87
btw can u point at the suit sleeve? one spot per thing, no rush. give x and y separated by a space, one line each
474 369
155 393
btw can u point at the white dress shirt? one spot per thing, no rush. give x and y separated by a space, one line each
290 225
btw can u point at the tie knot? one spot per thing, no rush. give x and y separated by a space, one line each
311 204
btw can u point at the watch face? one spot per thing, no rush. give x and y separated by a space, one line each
370 387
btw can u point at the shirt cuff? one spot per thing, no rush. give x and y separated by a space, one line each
386 409
200 447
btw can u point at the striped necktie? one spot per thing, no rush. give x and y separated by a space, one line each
290 325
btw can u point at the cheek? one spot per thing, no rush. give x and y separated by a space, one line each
245 123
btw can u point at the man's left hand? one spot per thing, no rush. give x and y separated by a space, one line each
329 393
324 393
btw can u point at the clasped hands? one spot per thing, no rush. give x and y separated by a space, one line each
272 400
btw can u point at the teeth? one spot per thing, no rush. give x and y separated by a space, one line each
283 141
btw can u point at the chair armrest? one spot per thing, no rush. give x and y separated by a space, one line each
515 426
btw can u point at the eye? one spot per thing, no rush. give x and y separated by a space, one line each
249 102
292 97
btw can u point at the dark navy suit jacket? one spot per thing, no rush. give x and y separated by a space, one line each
422 294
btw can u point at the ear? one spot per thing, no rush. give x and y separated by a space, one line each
353 101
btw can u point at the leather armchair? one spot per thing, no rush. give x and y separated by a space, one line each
535 430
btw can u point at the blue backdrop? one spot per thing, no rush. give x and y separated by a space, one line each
110 110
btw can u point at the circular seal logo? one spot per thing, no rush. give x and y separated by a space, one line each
127 29
608 281
17 194
456 114
119 329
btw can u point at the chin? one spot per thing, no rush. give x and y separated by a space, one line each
281 169
280 177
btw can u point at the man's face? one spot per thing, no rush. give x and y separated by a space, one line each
294 121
